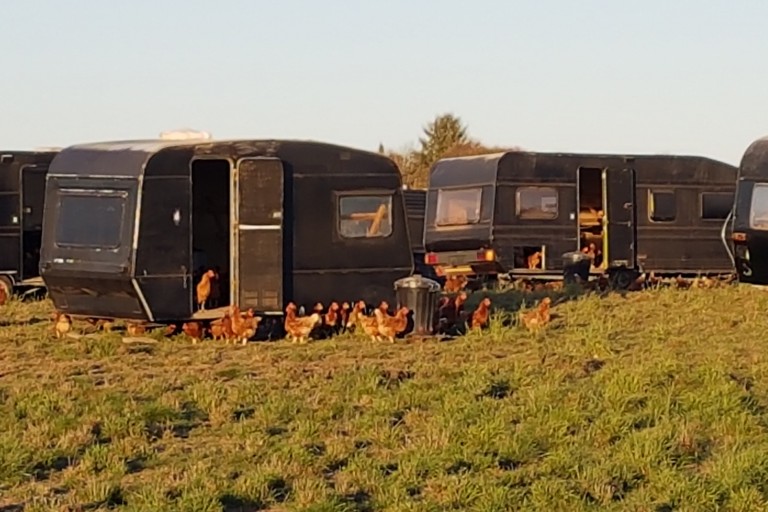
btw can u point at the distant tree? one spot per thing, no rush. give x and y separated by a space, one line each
443 133
445 136
408 161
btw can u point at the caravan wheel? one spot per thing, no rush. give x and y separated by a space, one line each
621 279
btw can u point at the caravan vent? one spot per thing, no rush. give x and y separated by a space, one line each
185 135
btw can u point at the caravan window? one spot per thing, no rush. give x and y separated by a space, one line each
536 203
662 205
366 216
716 206
758 211
458 207
90 219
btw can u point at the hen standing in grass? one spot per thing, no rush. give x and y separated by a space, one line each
481 315
62 324
194 330
391 326
353 320
537 318
299 327
222 328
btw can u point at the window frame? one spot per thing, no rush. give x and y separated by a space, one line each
752 207
440 191
123 195
538 216
701 205
341 196
652 205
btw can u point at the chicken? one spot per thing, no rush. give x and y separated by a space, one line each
222 328
358 312
247 326
455 283
194 330
370 324
62 324
237 320
344 315
450 312
682 283
481 315
135 328
537 318
653 280
391 326
3 296
554 285
318 308
439 322
534 260
101 324
331 319
204 288
590 250
299 327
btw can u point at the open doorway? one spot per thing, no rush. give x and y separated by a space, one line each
211 225
591 231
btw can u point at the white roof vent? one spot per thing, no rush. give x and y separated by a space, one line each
185 134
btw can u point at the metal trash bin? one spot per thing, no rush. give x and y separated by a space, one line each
419 295
576 264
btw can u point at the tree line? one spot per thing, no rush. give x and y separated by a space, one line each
444 137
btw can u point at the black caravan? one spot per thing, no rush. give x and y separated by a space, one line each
750 215
22 193
519 212
131 226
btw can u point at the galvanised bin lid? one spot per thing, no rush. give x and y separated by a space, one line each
417 281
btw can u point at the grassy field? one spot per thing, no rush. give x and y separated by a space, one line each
650 401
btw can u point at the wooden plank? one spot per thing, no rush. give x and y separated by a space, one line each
210 314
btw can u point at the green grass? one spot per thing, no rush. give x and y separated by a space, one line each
654 401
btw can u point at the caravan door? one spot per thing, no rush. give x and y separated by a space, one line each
32 199
257 280
619 220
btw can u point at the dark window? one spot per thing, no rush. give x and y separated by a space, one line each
365 216
458 207
537 203
88 219
758 215
716 206
662 206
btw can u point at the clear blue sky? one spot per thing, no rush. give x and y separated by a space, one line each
674 76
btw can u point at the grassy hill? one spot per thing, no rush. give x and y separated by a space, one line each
652 401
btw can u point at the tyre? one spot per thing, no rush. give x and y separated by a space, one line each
621 279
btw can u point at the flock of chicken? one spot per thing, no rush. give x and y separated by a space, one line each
450 318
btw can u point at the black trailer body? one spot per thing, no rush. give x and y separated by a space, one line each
22 193
131 226
750 216
519 212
